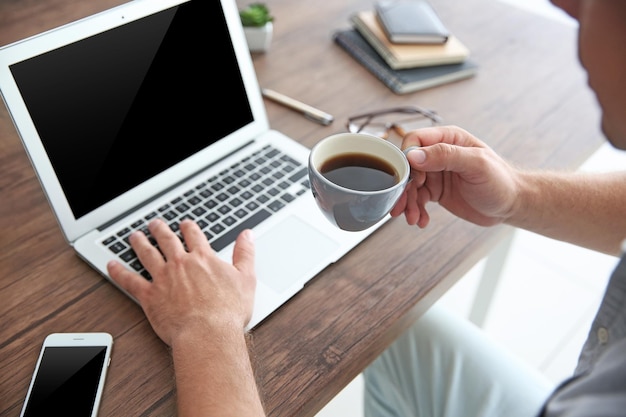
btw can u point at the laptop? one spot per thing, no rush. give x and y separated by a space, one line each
153 108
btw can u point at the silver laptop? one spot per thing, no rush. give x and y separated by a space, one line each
153 109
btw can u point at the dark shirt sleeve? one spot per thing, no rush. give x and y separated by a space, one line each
598 387
600 392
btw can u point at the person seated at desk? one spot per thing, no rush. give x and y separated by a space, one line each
199 305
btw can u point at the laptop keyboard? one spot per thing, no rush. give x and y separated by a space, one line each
223 205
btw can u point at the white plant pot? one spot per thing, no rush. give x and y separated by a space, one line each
259 38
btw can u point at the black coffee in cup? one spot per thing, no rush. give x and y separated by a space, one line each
359 171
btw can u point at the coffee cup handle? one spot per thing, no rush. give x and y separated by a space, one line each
409 149
406 153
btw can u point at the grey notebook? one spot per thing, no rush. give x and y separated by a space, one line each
401 81
153 109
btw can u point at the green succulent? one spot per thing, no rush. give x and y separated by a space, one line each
256 14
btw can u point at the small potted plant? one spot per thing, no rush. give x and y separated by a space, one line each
257 26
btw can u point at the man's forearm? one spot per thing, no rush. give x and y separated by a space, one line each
214 376
586 209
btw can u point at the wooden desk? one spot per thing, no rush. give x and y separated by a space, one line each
529 101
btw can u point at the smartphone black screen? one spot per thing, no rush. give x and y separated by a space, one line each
66 383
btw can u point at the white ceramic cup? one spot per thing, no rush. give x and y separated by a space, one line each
349 207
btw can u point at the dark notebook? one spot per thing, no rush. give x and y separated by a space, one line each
405 80
411 21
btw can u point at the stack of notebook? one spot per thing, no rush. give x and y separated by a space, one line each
405 64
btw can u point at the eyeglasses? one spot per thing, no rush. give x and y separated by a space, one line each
399 119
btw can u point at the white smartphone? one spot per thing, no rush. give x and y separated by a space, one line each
69 375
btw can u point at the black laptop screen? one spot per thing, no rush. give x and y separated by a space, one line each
117 108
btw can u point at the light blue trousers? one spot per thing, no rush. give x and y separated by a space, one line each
444 366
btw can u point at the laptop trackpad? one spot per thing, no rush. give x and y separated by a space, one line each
290 251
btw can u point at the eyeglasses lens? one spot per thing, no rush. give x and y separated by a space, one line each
388 125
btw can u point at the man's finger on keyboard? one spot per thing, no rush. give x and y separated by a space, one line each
168 241
194 238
